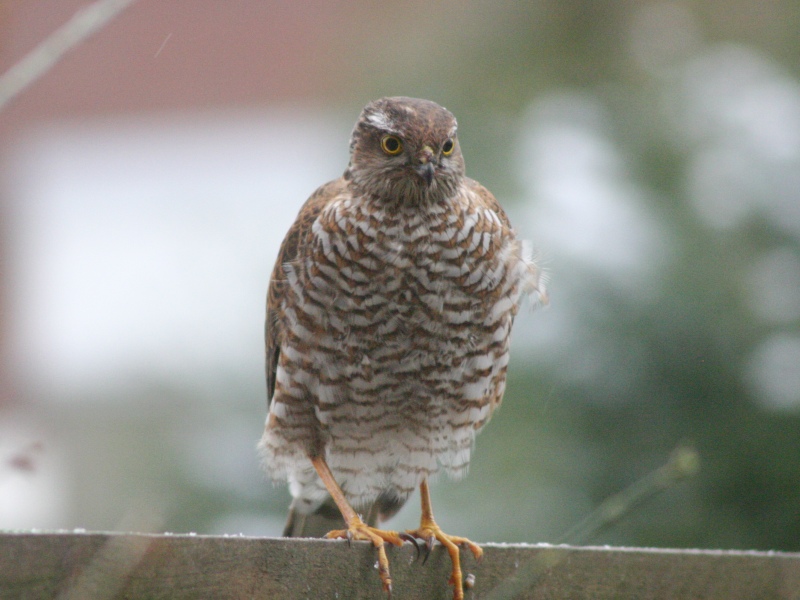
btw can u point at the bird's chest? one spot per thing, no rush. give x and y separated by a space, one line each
404 292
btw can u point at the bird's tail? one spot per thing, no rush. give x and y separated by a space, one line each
327 517
316 524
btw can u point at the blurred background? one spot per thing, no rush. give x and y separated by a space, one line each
649 150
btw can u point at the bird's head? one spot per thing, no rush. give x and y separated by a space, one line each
405 150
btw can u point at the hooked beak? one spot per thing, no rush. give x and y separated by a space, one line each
426 168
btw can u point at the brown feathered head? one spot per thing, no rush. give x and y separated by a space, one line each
405 150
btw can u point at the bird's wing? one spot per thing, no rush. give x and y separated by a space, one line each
295 237
489 201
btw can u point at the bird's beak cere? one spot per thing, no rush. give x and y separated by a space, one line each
427 164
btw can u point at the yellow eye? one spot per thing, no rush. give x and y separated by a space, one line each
392 145
448 147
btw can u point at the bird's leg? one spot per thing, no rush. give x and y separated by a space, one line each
430 531
356 528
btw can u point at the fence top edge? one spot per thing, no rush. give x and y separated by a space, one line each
66 533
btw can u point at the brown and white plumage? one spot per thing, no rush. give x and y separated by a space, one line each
388 317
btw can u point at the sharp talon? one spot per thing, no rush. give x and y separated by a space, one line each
349 538
428 548
410 538
389 591
476 552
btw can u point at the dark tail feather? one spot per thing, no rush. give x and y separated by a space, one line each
316 524
327 517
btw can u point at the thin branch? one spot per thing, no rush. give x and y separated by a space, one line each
684 462
41 59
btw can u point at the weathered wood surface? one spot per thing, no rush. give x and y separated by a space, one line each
115 565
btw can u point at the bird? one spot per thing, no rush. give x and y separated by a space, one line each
388 318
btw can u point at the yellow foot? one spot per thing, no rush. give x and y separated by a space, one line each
429 532
361 531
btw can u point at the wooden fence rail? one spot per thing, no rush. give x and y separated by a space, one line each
121 565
